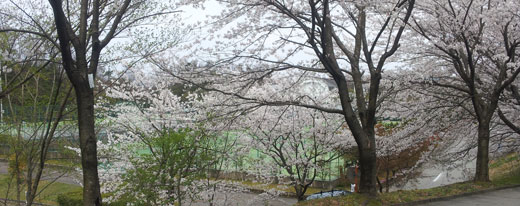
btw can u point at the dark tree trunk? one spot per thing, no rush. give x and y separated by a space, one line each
484 112
380 185
361 122
367 167
482 169
300 192
77 71
89 162
365 139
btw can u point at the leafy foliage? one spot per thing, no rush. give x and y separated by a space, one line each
168 172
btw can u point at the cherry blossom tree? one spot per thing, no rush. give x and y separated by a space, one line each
347 41
297 141
160 140
475 42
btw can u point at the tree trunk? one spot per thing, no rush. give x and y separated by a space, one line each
388 176
367 167
29 194
482 169
87 137
380 185
300 194
365 140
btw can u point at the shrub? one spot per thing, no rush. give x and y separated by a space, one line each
76 198
70 198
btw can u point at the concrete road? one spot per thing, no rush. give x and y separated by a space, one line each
67 177
504 197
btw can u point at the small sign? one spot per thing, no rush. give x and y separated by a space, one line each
91 80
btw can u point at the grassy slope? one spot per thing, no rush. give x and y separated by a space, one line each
503 172
48 196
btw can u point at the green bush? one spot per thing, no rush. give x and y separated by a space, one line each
76 198
70 198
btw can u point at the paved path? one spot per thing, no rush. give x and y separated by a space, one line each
504 197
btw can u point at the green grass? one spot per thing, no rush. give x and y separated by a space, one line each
63 162
509 159
48 196
503 172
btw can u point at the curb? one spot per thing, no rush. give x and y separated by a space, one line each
455 196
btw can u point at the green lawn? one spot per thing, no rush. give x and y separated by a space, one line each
48 196
503 172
